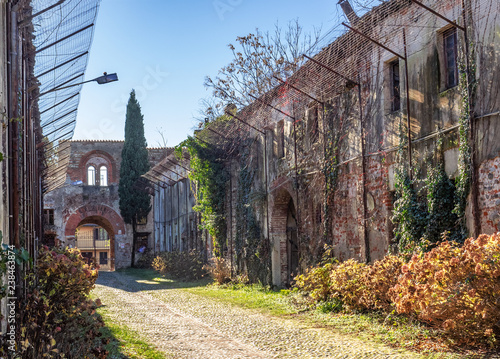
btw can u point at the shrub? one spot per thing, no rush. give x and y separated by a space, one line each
220 271
146 260
316 282
57 319
355 285
377 279
182 265
455 288
347 282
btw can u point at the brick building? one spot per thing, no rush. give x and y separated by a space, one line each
85 213
318 154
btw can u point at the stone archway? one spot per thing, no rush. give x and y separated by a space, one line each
285 251
102 216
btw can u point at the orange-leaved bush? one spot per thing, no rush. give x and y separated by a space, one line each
455 288
377 279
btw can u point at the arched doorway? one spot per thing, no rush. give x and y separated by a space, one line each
95 238
285 251
103 219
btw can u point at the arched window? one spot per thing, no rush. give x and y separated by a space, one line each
91 176
103 176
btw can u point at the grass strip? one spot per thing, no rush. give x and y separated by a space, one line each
125 343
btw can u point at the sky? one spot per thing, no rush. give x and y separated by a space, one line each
164 49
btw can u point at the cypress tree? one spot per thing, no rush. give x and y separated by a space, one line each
134 202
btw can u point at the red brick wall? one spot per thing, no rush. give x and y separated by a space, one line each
489 195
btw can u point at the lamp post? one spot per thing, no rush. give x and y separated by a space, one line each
101 80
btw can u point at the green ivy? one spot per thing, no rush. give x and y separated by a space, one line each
409 213
463 180
442 221
210 176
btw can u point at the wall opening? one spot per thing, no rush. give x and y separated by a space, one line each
94 237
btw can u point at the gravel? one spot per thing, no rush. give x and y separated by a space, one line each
185 325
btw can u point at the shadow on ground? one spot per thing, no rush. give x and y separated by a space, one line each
136 280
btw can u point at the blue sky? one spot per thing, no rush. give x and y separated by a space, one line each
164 49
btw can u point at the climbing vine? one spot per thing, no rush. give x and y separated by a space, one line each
210 176
463 180
251 249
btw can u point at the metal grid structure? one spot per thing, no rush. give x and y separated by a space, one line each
62 39
353 54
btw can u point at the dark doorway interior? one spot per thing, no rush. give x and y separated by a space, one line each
292 242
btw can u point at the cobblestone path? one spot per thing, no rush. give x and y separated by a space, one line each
185 325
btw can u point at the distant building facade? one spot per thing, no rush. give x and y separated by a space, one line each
85 213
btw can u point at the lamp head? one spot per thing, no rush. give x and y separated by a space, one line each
107 78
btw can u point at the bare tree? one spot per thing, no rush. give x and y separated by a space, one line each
256 59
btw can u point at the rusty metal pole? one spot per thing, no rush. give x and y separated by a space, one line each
267 200
231 216
472 135
14 130
408 111
298 212
363 177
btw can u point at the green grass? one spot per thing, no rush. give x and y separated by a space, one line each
124 342
250 297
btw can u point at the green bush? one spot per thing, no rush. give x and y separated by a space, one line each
316 283
347 282
146 260
182 265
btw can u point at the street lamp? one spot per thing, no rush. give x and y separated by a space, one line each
101 80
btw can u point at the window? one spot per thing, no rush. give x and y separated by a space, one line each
281 139
48 216
91 176
313 125
395 87
103 172
450 57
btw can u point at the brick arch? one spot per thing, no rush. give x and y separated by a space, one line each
113 222
86 161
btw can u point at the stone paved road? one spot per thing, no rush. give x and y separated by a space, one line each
185 325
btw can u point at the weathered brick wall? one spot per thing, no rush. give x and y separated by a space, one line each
489 195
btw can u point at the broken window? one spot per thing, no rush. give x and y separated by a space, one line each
103 171
313 125
395 86
450 57
91 176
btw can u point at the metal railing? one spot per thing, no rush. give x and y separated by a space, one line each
89 242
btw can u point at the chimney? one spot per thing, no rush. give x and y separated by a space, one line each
348 11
